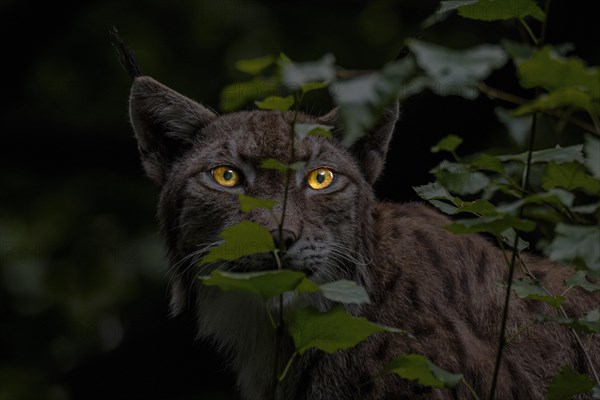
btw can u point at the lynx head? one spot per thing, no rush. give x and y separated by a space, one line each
203 161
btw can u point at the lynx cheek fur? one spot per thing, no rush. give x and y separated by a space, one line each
443 288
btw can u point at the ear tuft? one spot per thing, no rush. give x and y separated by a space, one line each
165 124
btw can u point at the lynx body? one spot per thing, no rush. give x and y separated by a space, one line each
446 289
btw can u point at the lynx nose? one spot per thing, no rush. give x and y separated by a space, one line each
284 239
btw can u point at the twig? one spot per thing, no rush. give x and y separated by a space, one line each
470 389
529 31
287 367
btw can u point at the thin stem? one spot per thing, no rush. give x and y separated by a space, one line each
287 367
511 268
595 120
456 157
585 351
288 174
278 333
281 250
470 389
502 338
521 330
567 291
532 36
271 320
502 249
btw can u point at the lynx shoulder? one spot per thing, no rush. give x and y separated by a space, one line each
446 289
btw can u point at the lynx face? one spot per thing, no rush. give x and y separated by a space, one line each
203 162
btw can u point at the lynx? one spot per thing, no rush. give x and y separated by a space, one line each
445 289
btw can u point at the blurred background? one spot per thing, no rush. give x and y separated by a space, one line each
83 284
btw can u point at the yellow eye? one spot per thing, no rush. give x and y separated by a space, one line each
320 178
226 176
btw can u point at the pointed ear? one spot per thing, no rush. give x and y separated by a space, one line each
165 124
371 149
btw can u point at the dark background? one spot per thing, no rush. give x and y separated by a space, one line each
83 284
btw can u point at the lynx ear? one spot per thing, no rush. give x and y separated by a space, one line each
370 150
165 124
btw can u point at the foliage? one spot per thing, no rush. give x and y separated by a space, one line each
506 195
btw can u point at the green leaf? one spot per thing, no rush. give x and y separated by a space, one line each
498 10
432 191
527 290
347 292
444 207
509 236
550 71
418 368
449 380
576 244
592 155
570 176
457 71
568 383
458 178
276 103
477 207
329 331
449 144
589 323
271 163
307 286
361 100
561 98
518 127
488 162
304 130
518 51
495 225
342 291
266 284
435 193
310 86
249 203
579 279
283 60
558 154
356 119
554 196
297 166
391 82
237 95
444 10
240 240
586 208
295 75
256 65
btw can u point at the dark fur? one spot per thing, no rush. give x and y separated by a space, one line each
445 289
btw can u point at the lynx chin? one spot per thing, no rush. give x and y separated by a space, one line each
444 289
